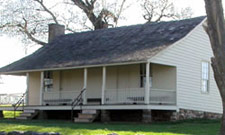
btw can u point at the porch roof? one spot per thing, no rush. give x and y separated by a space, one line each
106 46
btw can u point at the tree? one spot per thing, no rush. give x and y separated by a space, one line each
30 18
215 28
102 19
156 10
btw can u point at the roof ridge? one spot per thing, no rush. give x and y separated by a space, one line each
136 25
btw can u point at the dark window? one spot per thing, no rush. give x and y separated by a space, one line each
142 75
48 80
48 75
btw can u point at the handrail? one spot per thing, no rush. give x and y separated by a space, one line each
76 101
18 103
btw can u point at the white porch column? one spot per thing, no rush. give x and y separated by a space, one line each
85 86
147 84
27 89
41 88
103 83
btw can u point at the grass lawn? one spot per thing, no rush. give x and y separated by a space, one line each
191 127
10 114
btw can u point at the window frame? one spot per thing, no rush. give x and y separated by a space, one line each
202 79
48 81
142 75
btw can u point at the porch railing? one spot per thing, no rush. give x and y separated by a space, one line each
59 97
77 101
124 96
8 99
19 103
162 96
136 96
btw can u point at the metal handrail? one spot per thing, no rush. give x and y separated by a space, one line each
76 102
18 103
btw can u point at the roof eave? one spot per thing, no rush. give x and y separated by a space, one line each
23 72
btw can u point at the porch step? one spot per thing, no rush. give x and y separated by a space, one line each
89 111
29 111
27 114
82 120
87 116
21 118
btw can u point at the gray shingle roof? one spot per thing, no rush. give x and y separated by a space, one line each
106 46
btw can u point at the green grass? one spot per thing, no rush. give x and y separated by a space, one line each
10 114
192 127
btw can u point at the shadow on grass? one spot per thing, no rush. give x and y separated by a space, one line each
188 127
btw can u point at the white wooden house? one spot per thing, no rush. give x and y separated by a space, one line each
161 66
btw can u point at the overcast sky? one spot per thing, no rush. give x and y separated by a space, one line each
12 49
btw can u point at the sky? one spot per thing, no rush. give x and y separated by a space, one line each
11 49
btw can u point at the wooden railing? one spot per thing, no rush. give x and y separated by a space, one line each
59 97
19 103
8 99
116 96
162 96
137 95
124 96
77 101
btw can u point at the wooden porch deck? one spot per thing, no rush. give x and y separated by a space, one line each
97 107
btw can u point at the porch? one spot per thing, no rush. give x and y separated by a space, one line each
93 107
131 85
115 96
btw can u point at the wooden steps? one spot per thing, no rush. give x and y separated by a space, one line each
27 114
86 116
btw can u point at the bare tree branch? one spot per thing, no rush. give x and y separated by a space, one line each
24 30
47 10
30 36
25 17
120 11
156 10
100 20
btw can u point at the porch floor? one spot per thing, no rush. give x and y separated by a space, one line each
96 107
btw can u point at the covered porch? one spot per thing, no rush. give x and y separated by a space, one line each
134 84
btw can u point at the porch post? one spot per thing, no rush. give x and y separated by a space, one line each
103 84
147 85
85 86
41 88
27 89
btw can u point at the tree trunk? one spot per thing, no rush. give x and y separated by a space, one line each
222 129
220 79
216 32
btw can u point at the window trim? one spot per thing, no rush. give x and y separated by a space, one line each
201 79
142 75
48 76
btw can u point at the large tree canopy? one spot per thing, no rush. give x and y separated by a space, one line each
29 19
157 10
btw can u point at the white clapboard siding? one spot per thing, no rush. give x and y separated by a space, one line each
187 55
